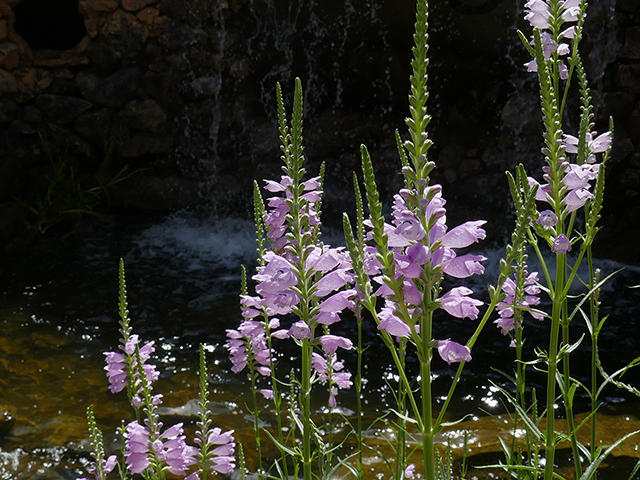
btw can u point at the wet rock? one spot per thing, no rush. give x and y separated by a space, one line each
34 80
144 115
629 77
141 144
21 128
8 83
124 34
91 7
62 109
113 91
94 125
148 15
134 5
7 421
60 59
31 114
631 48
9 56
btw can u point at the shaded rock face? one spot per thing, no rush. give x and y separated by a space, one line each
185 90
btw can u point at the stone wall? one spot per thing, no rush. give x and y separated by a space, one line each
182 91
129 86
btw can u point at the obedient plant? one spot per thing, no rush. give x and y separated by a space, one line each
149 449
297 275
392 272
569 202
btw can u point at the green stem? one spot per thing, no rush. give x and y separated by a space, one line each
256 422
568 402
427 407
401 449
550 446
306 408
593 301
359 394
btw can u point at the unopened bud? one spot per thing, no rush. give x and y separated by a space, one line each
405 193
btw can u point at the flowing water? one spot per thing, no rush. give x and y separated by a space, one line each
58 313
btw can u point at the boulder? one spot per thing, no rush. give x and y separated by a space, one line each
93 8
140 144
9 55
134 5
144 115
113 91
8 82
60 108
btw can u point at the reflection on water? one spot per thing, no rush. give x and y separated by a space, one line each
58 313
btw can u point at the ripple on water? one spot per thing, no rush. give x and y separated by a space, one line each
58 314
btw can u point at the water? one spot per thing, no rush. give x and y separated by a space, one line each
58 313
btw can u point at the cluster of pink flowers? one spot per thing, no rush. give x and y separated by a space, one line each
329 368
420 241
169 448
538 15
117 364
277 289
249 341
144 445
506 309
107 466
222 460
574 186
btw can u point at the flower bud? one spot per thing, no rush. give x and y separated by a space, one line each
561 245
547 218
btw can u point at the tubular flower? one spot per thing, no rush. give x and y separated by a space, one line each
136 447
174 452
222 446
538 15
561 244
107 466
422 245
452 352
574 190
530 298
249 343
599 144
329 368
116 364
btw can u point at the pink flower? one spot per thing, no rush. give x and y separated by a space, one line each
339 301
452 352
223 461
464 235
300 330
136 447
392 324
547 218
457 303
174 451
506 309
410 228
116 364
561 245
410 471
330 343
464 266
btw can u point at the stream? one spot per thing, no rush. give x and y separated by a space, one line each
58 314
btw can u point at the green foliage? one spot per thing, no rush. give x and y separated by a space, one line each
70 196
